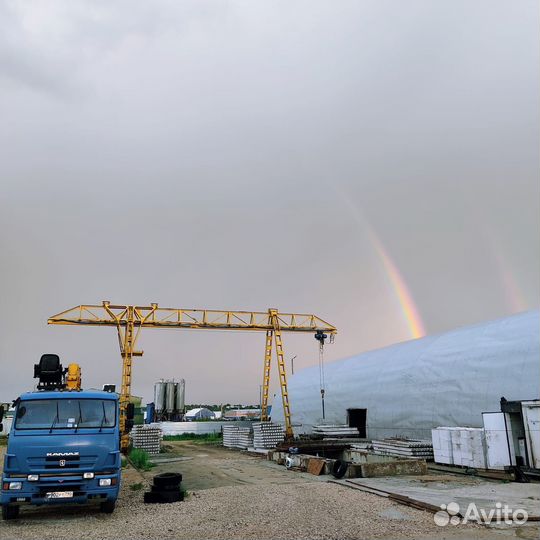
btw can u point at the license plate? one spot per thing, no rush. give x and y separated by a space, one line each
59 495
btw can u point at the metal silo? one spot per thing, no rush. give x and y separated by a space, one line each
181 396
159 396
170 397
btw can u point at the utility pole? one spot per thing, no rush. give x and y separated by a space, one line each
292 364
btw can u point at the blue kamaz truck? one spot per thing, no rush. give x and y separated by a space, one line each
63 446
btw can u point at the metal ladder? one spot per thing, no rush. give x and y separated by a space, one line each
275 335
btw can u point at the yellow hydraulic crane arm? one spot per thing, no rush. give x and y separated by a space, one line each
129 320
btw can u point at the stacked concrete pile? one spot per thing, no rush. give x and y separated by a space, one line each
413 448
237 437
336 431
267 434
147 437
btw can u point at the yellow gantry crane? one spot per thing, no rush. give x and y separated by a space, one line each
129 320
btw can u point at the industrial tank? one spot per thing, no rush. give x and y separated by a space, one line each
181 395
170 397
159 396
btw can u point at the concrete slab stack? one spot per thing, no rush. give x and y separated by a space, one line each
413 448
333 431
237 437
267 434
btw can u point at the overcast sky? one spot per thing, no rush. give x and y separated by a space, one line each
250 154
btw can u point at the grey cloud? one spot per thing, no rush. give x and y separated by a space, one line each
187 153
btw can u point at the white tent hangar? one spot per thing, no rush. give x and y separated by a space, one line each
406 389
199 414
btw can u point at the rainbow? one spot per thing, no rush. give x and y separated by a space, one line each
515 299
404 297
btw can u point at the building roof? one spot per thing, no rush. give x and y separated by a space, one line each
194 412
242 412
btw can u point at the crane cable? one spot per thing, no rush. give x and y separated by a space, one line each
320 337
321 367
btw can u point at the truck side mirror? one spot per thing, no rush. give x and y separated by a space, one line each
1 413
130 411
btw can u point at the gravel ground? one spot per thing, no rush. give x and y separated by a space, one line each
310 510
262 504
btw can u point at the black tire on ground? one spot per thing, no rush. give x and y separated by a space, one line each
339 468
169 487
167 479
170 496
151 497
10 512
107 507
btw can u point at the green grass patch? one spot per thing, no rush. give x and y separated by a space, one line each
140 459
206 437
136 487
124 462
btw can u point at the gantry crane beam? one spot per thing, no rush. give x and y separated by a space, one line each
129 320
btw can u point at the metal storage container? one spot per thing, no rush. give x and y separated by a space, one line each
159 396
170 397
181 395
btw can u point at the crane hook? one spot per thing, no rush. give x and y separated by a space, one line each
320 336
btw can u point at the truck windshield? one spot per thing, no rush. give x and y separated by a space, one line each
66 414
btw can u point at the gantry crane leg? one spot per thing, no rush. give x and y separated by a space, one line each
126 346
127 337
282 375
266 375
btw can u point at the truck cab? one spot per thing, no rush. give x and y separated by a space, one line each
63 448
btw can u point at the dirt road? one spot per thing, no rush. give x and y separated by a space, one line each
206 467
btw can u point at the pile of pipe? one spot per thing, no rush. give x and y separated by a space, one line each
147 437
237 437
267 434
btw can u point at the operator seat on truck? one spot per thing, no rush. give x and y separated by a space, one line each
49 372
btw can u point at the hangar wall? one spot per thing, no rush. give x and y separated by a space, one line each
411 387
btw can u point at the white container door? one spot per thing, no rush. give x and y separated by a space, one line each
497 448
531 420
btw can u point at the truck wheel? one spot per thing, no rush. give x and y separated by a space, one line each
10 512
107 507
167 479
